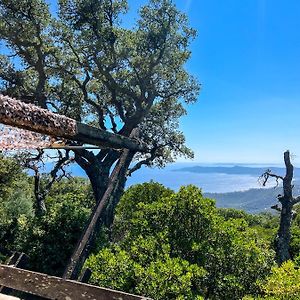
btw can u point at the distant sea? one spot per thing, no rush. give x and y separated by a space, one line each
172 177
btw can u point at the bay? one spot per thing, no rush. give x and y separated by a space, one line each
171 176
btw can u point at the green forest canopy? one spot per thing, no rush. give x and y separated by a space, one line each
163 244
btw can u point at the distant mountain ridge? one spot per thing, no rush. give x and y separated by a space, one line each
236 170
253 200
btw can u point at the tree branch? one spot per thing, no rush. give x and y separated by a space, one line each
33 163
296 200
147 161
266 175
287 181
276 207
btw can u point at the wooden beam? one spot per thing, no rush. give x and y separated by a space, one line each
19 260
51 287
33 118
95 136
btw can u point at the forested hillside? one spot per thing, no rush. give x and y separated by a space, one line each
162 244
252 200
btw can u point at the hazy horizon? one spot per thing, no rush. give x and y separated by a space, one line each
208 182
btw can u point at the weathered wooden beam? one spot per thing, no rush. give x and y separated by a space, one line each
94 136
19 260
51 287
30 117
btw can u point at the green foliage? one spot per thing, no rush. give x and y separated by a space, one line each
265 224
294 248
83 63
170 278
11 175
266 219
136 196
50 239
119 268
23 27
160 234
15 201
283 283
163 278
231 213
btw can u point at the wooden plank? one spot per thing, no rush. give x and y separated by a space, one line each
33 118
19 260
51 287
12 260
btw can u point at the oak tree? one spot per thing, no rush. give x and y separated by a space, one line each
84 64
87 62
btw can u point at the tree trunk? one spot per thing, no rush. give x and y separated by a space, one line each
283 237
108 215
99 178
287 201
107 190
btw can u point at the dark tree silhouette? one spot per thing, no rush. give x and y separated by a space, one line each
287 201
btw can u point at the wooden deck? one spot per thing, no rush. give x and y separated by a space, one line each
55 288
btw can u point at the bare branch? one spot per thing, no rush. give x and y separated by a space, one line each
145 162
276 207
138 165
41 190
112 120
266 175
63 161
296 200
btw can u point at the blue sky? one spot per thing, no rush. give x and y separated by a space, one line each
247 58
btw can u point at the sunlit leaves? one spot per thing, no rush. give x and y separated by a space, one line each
182 237
283 283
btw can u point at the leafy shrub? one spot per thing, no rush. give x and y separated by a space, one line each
16 202
50 239
283 283
163 238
